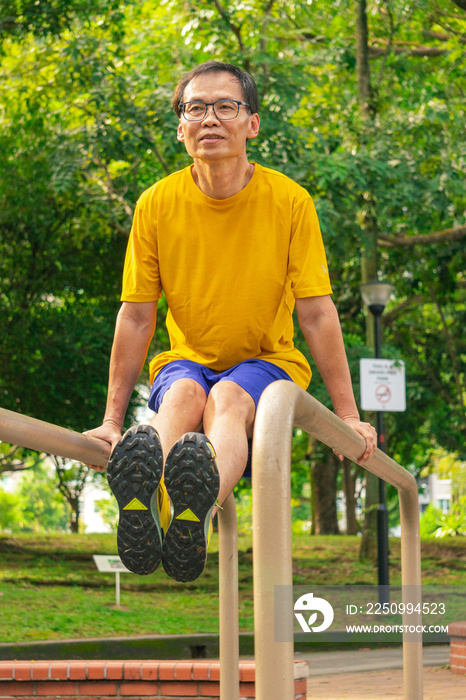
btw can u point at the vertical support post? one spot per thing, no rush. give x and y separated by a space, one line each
117 588
228 600
282 406
272 564
411 591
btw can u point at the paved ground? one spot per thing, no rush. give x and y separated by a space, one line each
378 675
439 684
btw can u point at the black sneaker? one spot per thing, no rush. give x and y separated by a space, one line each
134 472
192 482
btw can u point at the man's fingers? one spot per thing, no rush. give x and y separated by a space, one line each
95 467
370 436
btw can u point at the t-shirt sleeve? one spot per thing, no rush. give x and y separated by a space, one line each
141 275
307 265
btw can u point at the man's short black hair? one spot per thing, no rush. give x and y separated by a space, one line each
245 79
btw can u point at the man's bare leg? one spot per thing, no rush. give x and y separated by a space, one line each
228 422
180 412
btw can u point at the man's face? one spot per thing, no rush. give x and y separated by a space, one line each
212 139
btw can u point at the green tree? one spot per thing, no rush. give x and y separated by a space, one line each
87 127
71 480
10 512
42 507
16 459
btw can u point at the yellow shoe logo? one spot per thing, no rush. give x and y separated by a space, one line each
188 515
135 504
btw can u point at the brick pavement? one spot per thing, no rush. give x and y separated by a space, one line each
439 684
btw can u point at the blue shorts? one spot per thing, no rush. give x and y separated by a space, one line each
251 375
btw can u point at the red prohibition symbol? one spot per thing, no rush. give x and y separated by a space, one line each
383 393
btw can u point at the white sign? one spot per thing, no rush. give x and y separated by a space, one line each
109 563
383 385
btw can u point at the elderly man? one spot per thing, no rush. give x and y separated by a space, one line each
234 246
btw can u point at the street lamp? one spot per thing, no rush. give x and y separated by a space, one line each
376 295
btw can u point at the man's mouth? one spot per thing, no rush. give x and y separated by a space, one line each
211 137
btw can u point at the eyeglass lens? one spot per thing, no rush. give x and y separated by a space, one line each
223 110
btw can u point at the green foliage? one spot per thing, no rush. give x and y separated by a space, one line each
35 505
10 512
447 465
44 17
15 459
434 523
86 126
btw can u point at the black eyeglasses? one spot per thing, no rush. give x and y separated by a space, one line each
224 110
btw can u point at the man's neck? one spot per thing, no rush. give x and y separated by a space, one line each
222 180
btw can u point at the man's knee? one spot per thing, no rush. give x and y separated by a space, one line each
186 394
227 397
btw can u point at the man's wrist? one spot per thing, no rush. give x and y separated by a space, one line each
349 416
114 422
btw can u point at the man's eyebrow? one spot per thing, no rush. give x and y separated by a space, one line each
200 99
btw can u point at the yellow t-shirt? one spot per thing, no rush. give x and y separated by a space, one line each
230 269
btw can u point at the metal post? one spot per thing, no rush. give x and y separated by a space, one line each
228 600
282 405
272 562
382 512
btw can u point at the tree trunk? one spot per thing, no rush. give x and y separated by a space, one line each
312 481
365 94
325 493
368 550
349 488
74 516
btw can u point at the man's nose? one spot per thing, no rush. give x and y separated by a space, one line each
210 115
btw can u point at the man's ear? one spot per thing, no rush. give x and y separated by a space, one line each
180 132
254 126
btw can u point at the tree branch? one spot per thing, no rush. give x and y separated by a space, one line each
414 301
444 37
422 51
449 234
10 463
234 28
389 42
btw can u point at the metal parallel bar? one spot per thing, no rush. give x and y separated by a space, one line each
34 434
283 405
228 600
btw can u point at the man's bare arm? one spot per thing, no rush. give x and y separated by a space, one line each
319 322
134 329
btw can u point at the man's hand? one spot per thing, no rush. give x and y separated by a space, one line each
110 433
369 434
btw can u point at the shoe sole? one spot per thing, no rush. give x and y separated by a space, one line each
192 481
134 472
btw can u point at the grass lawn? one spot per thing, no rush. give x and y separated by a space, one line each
51 589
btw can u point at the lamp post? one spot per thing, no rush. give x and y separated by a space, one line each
375 295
